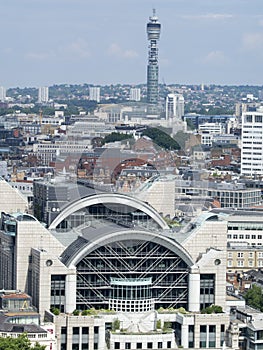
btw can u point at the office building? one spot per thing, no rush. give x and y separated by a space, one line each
2 94
208 130
153 35
118 276
174 106
135 94
43 94
94 93
252 144
229 195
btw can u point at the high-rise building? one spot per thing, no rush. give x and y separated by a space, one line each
153 33
94 93
43 94
135 94
174 106
252 144
2 94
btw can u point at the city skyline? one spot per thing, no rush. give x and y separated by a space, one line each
103 42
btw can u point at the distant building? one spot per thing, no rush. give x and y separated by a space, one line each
207 131
174 106
135 94
2 94
94 93
153 34
43 94
252 144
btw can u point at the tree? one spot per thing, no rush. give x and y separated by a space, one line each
254 297
115 136
213 309
19 343
161 138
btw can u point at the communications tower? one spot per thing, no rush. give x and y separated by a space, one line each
153 33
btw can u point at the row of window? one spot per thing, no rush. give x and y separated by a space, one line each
242 236
241 254
160 345
241 263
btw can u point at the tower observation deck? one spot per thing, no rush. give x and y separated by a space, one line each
153 34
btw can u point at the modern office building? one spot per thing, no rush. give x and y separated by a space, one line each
43 94
208 130
135 94
174 106
2 94
252 144
229 195
153 34
135 283
94 93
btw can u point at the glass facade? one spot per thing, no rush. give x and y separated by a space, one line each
132 260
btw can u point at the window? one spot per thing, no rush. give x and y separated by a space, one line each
230 255
139 346
116 345
240 255
160 345
229 263
258 118
240 263
149 345
127 345
75 330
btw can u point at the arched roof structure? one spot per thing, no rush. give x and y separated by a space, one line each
107 198
83 246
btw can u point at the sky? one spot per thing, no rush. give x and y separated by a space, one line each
102 42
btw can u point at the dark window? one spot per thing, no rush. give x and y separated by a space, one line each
116 345
75 330
139 346
149 345
85 330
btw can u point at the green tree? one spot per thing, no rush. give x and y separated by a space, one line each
115 136
254 297
213 309
161 138
19 343
116 324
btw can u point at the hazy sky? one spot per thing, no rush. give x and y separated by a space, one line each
46 42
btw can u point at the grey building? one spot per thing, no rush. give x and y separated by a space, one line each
153 34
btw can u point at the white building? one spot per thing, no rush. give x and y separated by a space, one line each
207 130
174 106
252 144
2 94
43 94
94 93
135 94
